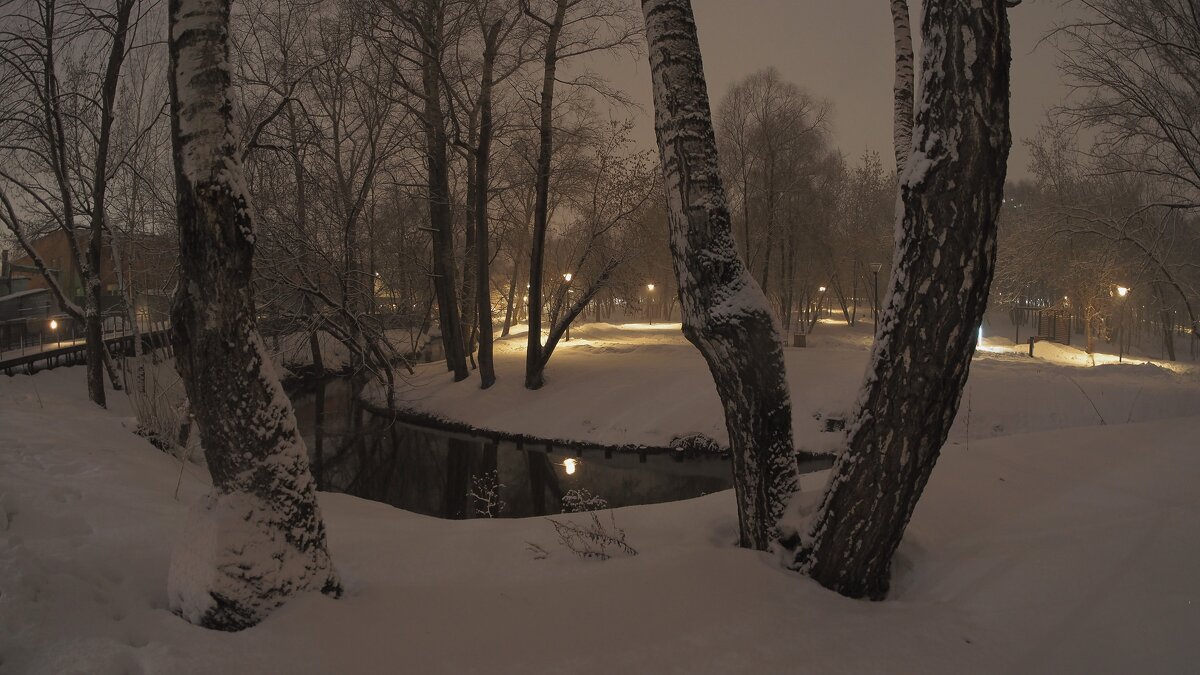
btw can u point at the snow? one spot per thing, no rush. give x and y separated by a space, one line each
636 383
22 294
1071 550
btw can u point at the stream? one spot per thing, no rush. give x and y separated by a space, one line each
441 473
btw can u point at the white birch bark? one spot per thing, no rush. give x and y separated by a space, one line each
951 192
725 314
902 91
257 538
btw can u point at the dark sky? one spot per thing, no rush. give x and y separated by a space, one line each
842 50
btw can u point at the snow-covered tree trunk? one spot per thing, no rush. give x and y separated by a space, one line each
951 192
902 91
725 314
257 538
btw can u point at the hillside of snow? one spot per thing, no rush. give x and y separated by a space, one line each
1071 550
639 383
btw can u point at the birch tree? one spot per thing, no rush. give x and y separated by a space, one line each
902 91
951 190
725 314
257 537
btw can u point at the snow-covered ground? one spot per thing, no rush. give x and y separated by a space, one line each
637 383
1070 550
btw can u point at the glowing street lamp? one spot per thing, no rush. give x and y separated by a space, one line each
570 465
875 267
1122 292
567 276
649 300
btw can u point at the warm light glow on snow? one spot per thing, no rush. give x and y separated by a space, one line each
662 327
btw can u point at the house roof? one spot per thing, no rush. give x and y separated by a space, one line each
21 294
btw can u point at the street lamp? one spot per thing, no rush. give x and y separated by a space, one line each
54 327
567 277
1122 292
875 267
649 299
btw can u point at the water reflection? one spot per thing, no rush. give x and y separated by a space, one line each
434 472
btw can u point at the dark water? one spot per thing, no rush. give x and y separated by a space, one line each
434 472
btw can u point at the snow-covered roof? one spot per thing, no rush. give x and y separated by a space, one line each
21 294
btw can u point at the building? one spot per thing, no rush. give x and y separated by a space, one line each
27 306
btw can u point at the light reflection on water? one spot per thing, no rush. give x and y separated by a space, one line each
431 471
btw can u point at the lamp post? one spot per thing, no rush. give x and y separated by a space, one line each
875 267
567 277
54 327
649 299
1122 292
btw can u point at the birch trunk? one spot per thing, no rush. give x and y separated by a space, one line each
902 92
257 538
951 192
725 314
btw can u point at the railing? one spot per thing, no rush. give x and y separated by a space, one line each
32 356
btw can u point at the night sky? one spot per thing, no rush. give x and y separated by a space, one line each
842 50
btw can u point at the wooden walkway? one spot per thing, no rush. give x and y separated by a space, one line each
74 352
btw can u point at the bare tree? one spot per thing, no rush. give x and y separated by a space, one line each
775 132
1137 66
573 28
415 36
725 314
504 36
57 121
258 537
616 185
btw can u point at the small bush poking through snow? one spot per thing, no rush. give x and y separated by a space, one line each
697 444
485 491
536 549
157 397
594 539
580 499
